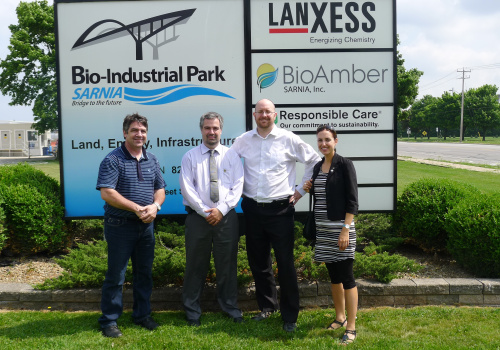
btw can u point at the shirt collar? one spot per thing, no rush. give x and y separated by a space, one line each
129 156
205 149
275 131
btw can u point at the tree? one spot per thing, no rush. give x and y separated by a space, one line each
407 82
445 113
419 115
28 72
484 109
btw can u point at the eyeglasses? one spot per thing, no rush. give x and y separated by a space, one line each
265 112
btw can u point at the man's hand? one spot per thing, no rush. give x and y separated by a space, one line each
295 198
214 216
148 213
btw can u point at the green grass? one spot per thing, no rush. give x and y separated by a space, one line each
409 172
431 327
50 167
473 140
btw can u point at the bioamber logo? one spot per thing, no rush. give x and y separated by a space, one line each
266 76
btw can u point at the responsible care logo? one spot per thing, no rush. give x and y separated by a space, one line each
266 76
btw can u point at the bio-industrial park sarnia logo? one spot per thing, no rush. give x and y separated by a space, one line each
156 32
266 75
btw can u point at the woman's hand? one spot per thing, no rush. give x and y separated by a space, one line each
307 185
343 242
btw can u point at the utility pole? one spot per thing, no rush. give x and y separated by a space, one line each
463 71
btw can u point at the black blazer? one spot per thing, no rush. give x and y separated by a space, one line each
341 187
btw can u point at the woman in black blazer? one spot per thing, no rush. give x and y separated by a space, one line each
335 191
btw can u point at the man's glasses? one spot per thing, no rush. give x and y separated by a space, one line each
265 112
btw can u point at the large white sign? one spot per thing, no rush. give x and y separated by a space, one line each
173 60
333 63
170 61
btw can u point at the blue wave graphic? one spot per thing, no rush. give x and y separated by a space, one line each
169 94
267 79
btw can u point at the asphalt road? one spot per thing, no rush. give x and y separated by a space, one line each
453 152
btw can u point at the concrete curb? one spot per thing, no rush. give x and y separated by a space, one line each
397 293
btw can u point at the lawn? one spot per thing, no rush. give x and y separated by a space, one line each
409 172
432 327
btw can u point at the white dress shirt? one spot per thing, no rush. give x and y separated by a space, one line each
270 163
195 179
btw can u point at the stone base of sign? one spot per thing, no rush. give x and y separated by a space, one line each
398 293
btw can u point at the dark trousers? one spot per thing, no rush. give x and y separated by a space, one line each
272 226
127 239
200 239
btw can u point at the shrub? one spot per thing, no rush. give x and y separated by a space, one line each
473 228
87 230
3 236
377 228
34 223
422 207
23 173
32 209
84 266
383 267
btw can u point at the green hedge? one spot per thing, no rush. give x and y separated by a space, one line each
422 207
3 236
86 265
473 228
33 213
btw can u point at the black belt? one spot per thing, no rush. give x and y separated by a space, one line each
274 204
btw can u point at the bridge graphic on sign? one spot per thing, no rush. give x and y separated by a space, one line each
152 31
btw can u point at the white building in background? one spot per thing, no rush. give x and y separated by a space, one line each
20 139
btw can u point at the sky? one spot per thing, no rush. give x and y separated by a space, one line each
438 37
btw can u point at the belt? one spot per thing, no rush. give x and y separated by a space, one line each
274 204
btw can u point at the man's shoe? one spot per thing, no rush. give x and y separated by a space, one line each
148 323
111 332
194 323
262 315
238 320
289 326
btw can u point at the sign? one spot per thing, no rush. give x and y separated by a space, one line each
333 63
174 60
170 61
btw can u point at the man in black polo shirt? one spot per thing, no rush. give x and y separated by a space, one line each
133 188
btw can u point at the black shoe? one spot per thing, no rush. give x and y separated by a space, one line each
262 315
289 326
238 320
194 323
148 323
111 332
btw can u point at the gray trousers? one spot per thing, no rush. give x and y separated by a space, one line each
200 239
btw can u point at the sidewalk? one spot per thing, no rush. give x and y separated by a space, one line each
15 160
397 293
449 165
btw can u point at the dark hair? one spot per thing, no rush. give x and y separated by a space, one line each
211 115
327 127
129 119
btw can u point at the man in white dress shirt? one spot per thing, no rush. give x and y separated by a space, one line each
211 180
269 195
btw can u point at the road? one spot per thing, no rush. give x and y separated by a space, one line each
453 152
